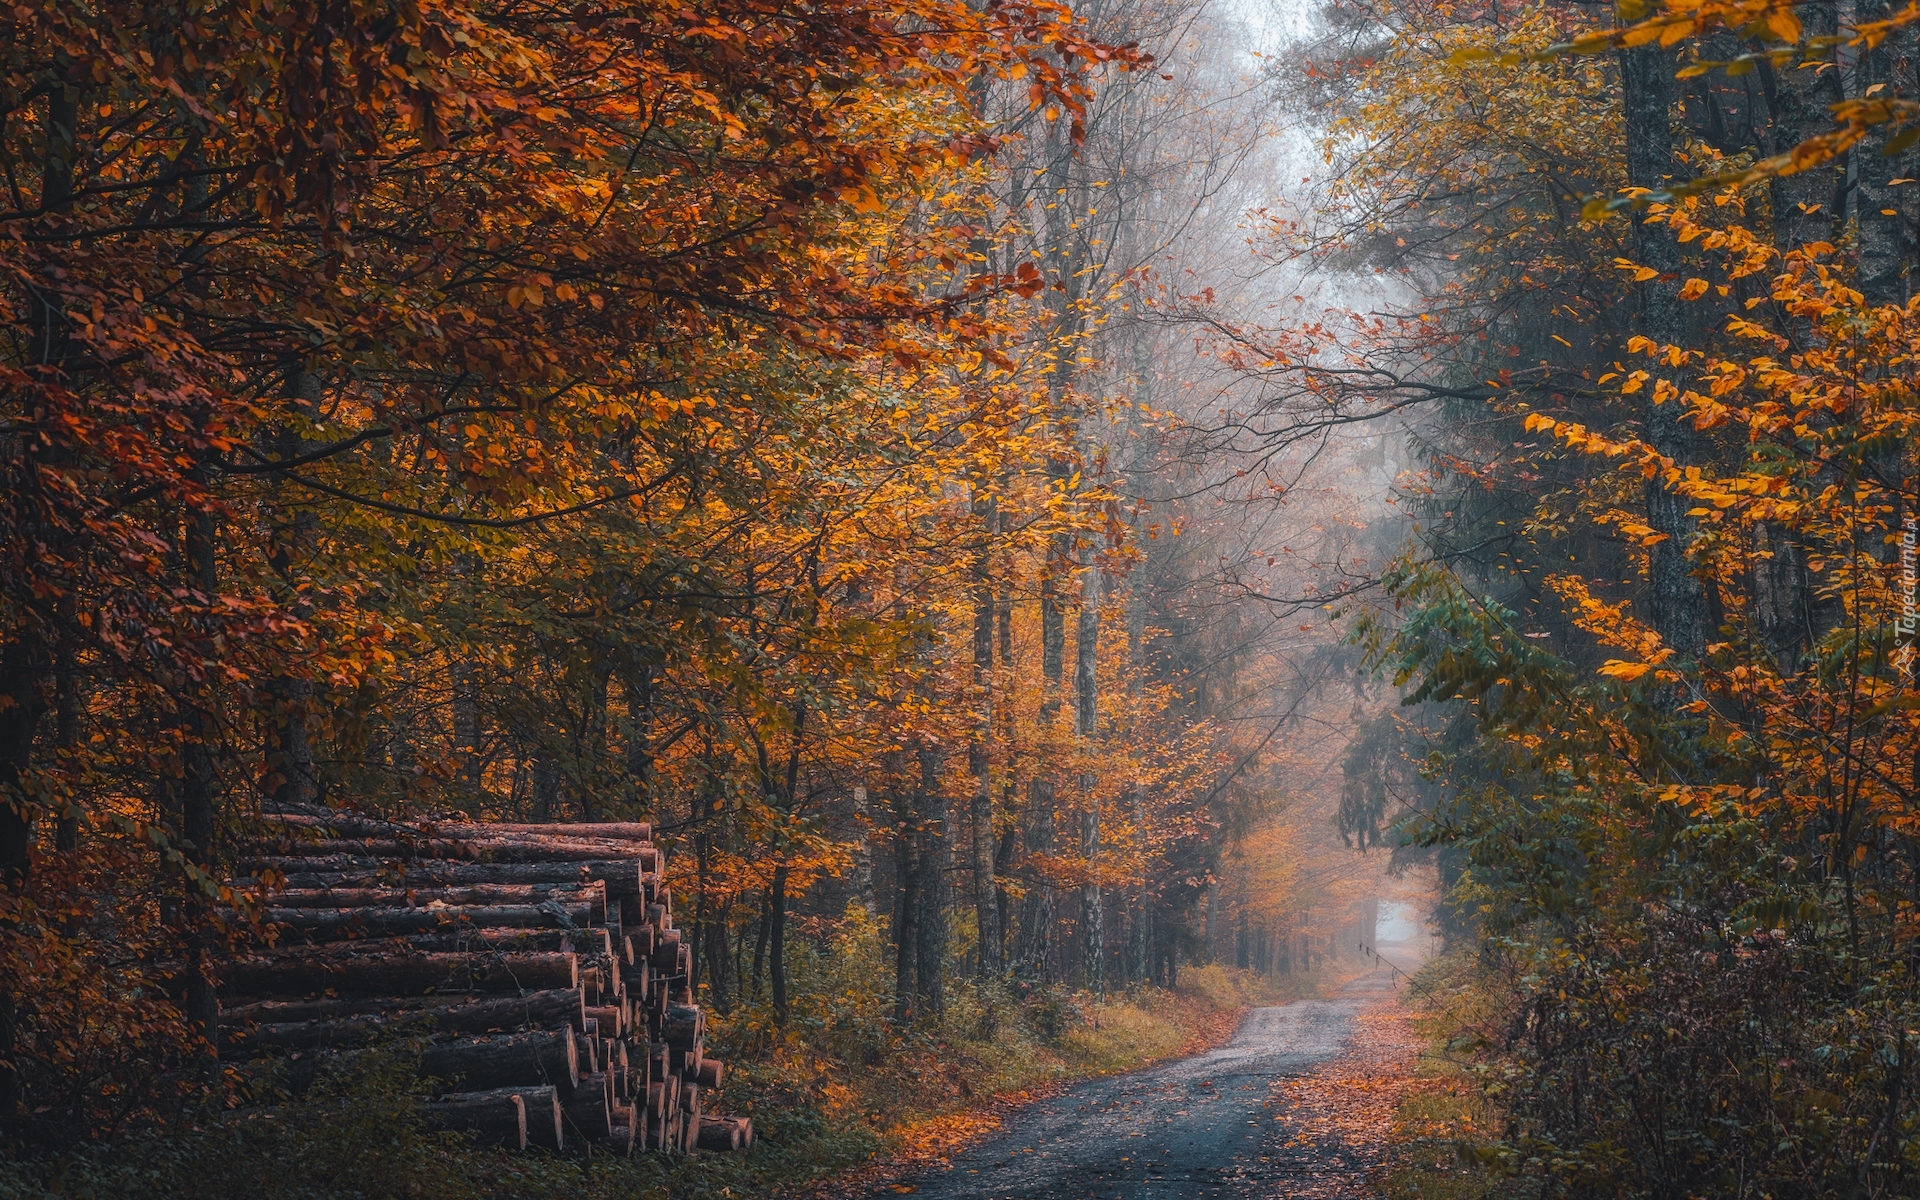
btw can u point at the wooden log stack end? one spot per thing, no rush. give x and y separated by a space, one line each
725 1133
534 968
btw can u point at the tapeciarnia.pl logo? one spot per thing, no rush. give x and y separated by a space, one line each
1904 651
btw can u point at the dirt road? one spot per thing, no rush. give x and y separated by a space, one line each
1251 1119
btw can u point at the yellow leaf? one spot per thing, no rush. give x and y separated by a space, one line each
1624 670
1693 289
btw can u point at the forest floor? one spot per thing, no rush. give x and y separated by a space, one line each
1301 1101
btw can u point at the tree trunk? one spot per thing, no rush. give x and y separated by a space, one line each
760 941
863 848
546 786
1884 213
68 695
1677 603
197 803
1092 916
1809 205
1086 719
936 856
640 720
777 937
289 736
1036 913
23 672
719 960
985 898
906 906
1086 650
590 747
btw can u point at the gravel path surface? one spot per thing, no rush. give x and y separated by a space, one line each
1222 1124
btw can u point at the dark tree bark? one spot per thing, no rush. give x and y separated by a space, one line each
936 855
25 657
197 790
777 941
1036 913
68 697
760 941
719 976
1808 206
639 684
1885 214
289 736
906 904
1677 603
985 891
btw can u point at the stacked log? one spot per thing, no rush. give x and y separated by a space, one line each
535 970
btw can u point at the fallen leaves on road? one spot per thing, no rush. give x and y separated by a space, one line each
1336 1122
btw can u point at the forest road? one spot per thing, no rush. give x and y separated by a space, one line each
1216 1125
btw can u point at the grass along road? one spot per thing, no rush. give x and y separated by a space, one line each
1299 1103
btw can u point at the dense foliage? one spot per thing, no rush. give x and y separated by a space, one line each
1655 631
690 412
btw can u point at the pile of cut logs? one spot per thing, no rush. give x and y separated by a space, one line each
535 969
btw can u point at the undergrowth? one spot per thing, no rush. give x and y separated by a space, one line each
832 1087
1447 1129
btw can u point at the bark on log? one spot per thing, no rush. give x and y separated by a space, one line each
621 875
342 825
683 1064
589 1051
340 923
589 1114
625 831
664 956
718 1133
636 980
536 1010
385 974
546 1127
483 895
549 1057
609 1017
517 850
622 1141
382 848
709 1073
495 1118
613 1058
684 1025
493 850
